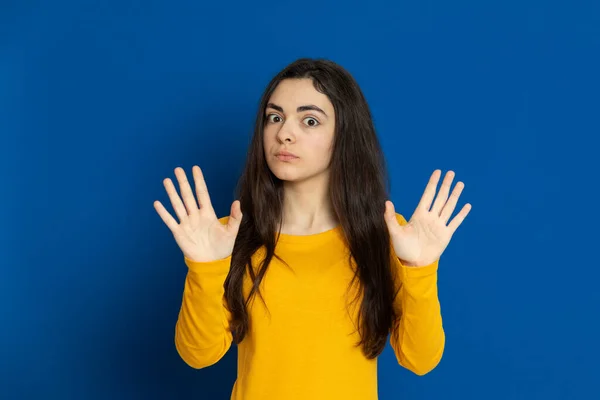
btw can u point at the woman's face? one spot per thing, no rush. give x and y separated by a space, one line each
299 120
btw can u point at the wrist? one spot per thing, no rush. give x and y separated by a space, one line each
411 264
408 264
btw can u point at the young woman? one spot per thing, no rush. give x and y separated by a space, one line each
335 269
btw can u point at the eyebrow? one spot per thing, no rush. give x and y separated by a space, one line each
299 109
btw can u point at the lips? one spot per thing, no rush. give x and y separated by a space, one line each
286 153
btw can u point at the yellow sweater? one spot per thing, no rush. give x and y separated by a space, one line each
302 346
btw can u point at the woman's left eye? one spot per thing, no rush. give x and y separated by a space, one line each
314 121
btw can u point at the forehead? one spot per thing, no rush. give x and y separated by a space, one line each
291 93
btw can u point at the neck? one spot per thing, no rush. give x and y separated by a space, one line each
307 207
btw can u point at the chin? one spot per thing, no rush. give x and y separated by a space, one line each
286 176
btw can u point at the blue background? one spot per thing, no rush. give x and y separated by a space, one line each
101 100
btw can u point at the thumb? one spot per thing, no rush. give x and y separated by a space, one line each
235 218
390 216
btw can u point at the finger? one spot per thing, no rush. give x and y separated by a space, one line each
175 200
201 188
451 203
235 217
165 216
186 191
442 195
429 192
390 215
460 217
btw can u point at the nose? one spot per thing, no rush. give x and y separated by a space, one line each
286 134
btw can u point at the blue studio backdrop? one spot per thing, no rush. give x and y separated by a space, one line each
100 101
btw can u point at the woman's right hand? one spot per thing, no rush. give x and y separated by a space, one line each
199 234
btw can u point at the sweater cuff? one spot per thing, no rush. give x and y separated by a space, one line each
417 272
216 267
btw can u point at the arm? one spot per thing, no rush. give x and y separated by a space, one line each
202 333
417 335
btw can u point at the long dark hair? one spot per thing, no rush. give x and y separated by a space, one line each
358 189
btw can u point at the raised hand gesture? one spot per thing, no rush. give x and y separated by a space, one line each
199 234
424 238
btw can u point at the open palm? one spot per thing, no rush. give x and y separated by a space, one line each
423 239
199 234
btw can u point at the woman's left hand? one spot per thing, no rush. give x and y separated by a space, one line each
423 239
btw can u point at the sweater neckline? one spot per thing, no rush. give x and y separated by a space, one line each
314 238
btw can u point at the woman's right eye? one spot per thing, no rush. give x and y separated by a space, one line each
271 118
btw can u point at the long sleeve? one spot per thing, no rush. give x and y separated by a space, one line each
417 337
202 333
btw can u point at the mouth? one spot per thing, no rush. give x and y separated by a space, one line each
285 157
